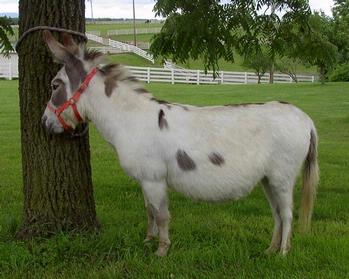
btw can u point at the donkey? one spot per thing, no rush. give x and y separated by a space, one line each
212 153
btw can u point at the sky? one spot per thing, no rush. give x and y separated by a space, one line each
123 8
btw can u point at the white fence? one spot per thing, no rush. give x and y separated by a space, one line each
9 66
122 46
141 45
9 70
199 77
97 33
108 50
131 31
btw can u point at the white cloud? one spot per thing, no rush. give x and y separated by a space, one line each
324 5
9 6
120 8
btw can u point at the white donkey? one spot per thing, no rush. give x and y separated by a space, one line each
207 153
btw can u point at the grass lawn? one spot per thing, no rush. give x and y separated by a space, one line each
129 38
105 27
209 240
131 60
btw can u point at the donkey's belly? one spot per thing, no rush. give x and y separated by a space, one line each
212 188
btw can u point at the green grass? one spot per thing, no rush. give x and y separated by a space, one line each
103 28
131 60
209 240
129 38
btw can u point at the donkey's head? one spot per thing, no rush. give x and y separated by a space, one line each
61 112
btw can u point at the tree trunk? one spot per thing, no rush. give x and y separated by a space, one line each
322 74
271 73
58 193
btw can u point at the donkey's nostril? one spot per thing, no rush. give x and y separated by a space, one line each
43 121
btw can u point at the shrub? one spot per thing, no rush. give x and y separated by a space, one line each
340 73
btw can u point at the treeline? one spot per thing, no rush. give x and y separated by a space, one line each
324 44
11 20
271 35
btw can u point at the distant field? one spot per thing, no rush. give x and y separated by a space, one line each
105 27
225 240
131 60
129 38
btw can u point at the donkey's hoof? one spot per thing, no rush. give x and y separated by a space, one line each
284 252
271 250
163 249
148 239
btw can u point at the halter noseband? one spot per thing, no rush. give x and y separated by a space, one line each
72 102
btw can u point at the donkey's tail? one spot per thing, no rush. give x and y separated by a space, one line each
310 181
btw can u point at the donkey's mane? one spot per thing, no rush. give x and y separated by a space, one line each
91 54
115 73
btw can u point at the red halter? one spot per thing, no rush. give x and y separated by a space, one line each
72 102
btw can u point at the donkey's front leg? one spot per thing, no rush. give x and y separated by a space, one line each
152 230
156 196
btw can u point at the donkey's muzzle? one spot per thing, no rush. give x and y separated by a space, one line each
50 126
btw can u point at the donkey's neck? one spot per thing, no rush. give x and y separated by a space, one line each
119 115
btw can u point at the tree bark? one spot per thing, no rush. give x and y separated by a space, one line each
322 74
58 193
271 73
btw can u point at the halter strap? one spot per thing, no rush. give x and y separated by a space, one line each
72 102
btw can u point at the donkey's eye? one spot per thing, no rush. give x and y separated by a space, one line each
55 86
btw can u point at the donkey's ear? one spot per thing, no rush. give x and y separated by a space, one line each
60 53
70 44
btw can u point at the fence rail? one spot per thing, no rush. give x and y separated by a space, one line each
95 32
131 31
199 77
9 70
122 46
9 67
108 49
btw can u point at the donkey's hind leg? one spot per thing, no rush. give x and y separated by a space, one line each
156 195
277 233
285 201
281 192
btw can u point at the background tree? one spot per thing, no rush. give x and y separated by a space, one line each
211 30
259 62
5 32
340 35
56 170
288 66
315 47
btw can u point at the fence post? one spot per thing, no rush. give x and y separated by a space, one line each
312 78
148 75
10 69
245 77
222 77
172 75
290 79
198 77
